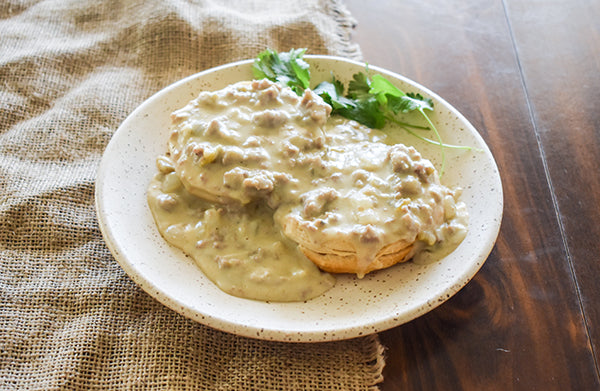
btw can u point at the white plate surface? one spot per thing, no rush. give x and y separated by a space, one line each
353 307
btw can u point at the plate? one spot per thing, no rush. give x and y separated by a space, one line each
353 307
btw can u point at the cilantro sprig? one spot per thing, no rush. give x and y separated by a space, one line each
286 68
370 100
358 104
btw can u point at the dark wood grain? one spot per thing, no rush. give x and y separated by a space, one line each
561 70
526 320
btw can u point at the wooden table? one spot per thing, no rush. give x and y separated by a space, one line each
527 75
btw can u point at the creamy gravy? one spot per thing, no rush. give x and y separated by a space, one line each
255 174
238 248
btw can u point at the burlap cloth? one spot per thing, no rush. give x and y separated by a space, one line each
70 72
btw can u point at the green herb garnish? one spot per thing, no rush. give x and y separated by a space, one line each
286 68
371 101
358 104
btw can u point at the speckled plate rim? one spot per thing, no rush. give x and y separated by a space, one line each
353 307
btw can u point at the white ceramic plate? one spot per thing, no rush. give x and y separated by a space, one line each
353 307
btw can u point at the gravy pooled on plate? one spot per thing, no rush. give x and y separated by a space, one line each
258 182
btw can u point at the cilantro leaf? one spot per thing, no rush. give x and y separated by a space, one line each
382 86
328 90
286 68
423 103
366 110
358 105
409 102
359 86
396 99
333 94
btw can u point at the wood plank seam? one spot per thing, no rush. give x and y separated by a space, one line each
554 199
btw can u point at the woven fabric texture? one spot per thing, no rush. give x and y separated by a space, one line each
70 318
